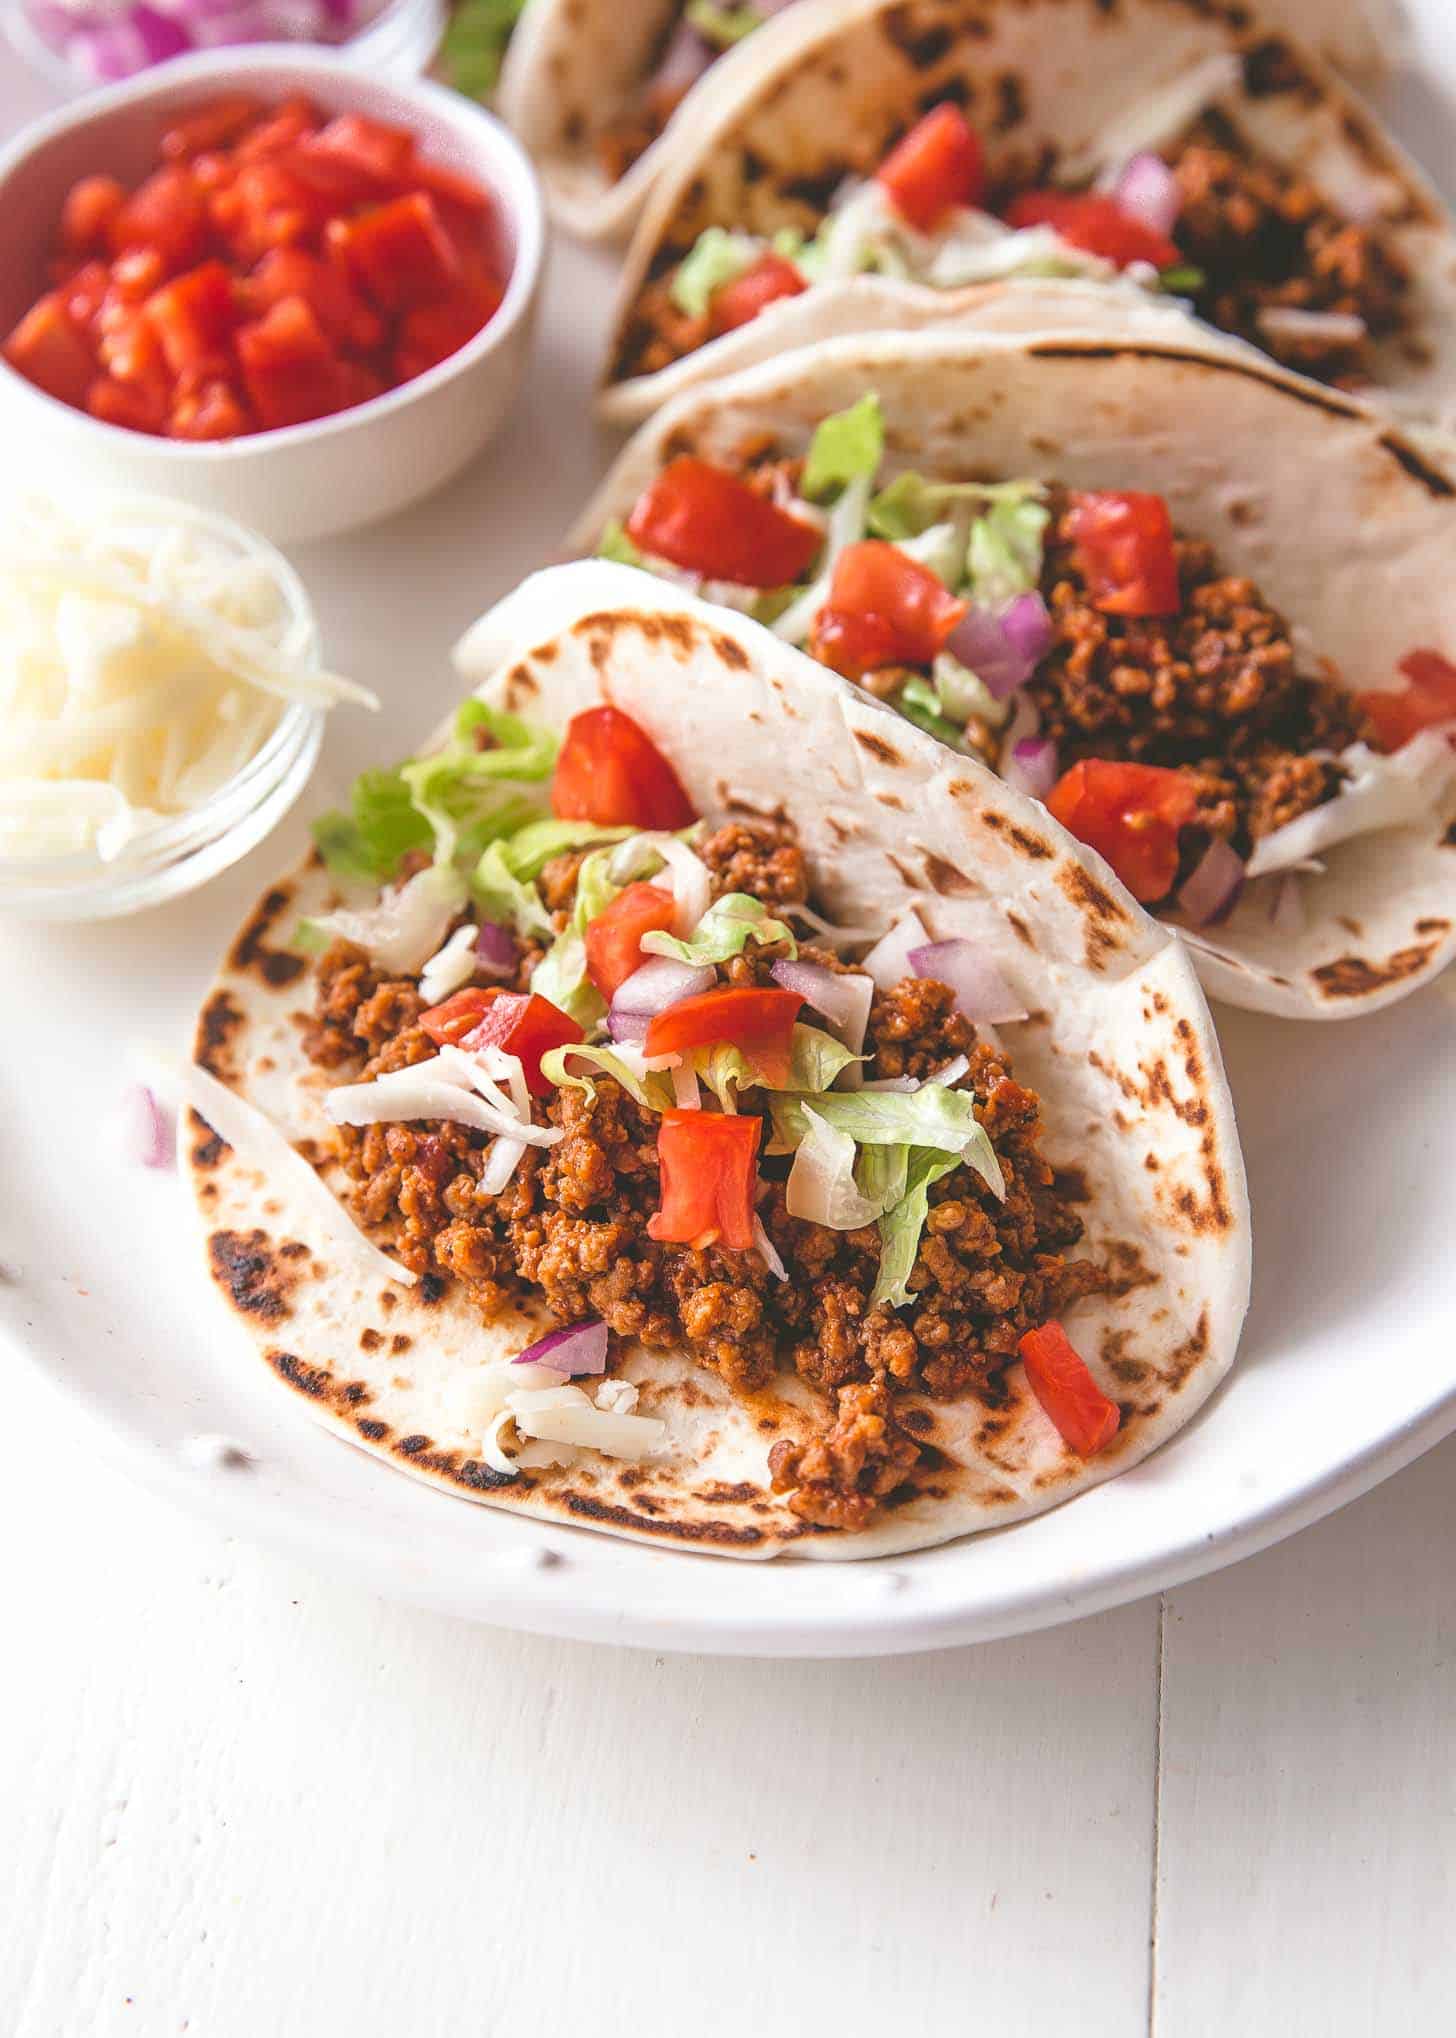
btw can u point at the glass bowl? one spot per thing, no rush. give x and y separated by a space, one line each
398 41
187 849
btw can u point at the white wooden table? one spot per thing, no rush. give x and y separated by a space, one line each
244 1800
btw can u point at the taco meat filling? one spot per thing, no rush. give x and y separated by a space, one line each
1256 248
571 1226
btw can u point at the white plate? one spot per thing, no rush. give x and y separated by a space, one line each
1348 1369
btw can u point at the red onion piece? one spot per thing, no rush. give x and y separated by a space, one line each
660 982
496 954
684 61
982 994
1003 650
842 1000
629 1027
150 1139
1032 766
1148 191
580 1349
888 962
1212 892
1027 625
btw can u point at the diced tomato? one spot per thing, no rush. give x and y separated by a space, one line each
126 403
431 333
447 1024
90 213
167 214
85 293
614 938
212 172
739 302
759 1022
194 317
1130 814
1096 224
884 608
1428 700
708 1165
1058 1377
48 349
1125 550
939 164
706 519
268 206
399 254
611 772
450 188
324 287
292 121
290 368
131 351
215 125
385 153
136 274
524 1025
214 411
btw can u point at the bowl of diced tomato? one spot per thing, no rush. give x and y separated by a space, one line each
266 284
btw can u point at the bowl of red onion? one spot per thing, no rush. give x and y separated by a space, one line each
175 320
80 44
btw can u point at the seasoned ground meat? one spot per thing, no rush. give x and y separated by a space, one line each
1264 240
839 1480
571 1226
1215 689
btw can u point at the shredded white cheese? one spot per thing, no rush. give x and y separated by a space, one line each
450 967
147 651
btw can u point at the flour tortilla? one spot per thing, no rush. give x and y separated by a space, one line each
1365 38
1119 1044
833 90
1347 526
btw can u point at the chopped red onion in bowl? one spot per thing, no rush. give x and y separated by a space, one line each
1147 190
982 994
580 1349
1212 891
496 953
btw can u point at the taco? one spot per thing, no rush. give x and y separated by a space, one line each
705 1109
1365 38
598 92
923 149
1201 608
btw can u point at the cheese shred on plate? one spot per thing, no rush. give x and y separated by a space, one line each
148 652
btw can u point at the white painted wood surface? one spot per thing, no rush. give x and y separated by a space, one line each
243 1800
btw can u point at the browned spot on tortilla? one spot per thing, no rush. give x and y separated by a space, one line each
882 751
310 1380
1350 926
720 1532
210 1147
1020 929
370 1340
734 803
1030 845
1151 1163
1353 977
1088 895
837 828
354 1392
431 1288
400 1343
889 799
732 653
276 966
1418 467
1185 1358
220 1019
521 681
1071 1185
252 1274
922 45
1126 1267
411 1446
372 1430
1448 840
945 878
1433 926
724 1495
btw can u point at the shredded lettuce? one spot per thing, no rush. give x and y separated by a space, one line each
1182 282
724 931
846 446
821 1187
652 1090
962 693
561 975
456 788
503 881
941 547
846 525
920 703
1006 547
901 1227
715 258
807 255
382 826
614 544
531 848
475 43
505 897
722 26
933 1115
910 504
816 1060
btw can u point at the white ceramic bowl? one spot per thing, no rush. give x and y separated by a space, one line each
305 481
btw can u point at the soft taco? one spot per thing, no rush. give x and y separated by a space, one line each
690 1102
916 151
1202 608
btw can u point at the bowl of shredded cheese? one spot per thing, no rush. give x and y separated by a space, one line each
162 700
